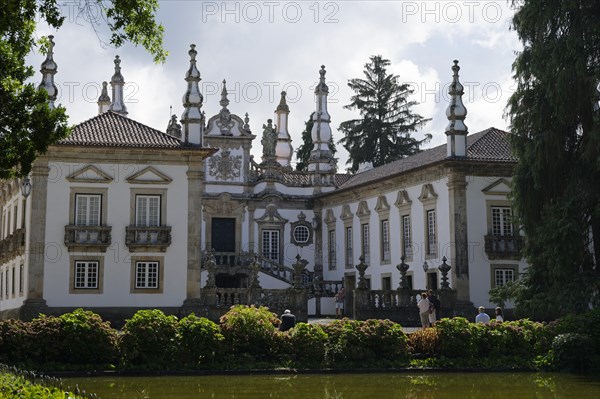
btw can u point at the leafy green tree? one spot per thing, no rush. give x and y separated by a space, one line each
383 133
556 125
27 124
304 150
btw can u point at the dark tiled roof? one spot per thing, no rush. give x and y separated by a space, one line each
113 130
490 145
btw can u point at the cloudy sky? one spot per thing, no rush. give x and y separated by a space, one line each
264 47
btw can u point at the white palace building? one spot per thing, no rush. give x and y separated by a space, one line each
120 216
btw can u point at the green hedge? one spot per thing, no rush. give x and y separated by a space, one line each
247 337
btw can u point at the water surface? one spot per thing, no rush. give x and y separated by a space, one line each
348 386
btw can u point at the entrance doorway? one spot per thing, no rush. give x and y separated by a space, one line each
432 281
222 235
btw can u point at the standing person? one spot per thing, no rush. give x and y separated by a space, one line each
288 321
499 315
434 307
482 317
423 306
339 303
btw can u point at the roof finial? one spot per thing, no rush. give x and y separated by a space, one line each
104 99
49 69
117 81
282 103
174 128
224 101
247 122
456 113
192 119
322 86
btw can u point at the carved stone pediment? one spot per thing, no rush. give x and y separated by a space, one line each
347 214
403 200
329 217
499 187
224 205
363 209
271 215
90 174
427 193
149 175
382 204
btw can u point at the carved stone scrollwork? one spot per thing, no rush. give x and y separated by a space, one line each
224 166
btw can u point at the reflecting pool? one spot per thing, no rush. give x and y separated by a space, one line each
347 386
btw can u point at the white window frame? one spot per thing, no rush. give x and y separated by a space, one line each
147 275
501 276
331 244
431 235
501 221
366 242
86 275
348 243
385 241
148 210
271 244
88 216
407 249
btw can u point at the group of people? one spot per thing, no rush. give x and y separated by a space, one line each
484 318
429 308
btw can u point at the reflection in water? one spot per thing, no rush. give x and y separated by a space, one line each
348 386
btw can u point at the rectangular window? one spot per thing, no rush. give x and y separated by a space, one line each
406 237
87 209
86 275
21 279
270 244
385 240
146 275
386 283
147 210
15 219
501 221
366 247
503 276
1 285
431 235
24 207
349 249
12 280
331 250
6 283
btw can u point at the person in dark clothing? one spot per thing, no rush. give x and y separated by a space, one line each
288 321
434 309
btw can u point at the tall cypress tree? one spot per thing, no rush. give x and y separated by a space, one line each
304 150
556 125
383 133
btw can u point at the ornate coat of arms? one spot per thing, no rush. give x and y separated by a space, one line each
224 166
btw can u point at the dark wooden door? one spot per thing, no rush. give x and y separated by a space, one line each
223 234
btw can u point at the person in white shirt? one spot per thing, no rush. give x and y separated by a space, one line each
423 306
482 317
499 315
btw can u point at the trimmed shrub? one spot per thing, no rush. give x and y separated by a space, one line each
149 340
424 343
250 331
47 340
572 351
87 339
14 341
352 341
456 337
308 343
199 341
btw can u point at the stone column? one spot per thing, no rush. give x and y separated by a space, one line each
35 302
459 250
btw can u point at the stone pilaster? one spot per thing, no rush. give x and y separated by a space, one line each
35 302
195 188
459 250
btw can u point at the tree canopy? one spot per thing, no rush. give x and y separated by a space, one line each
383 133
304 150
27 124
555 119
